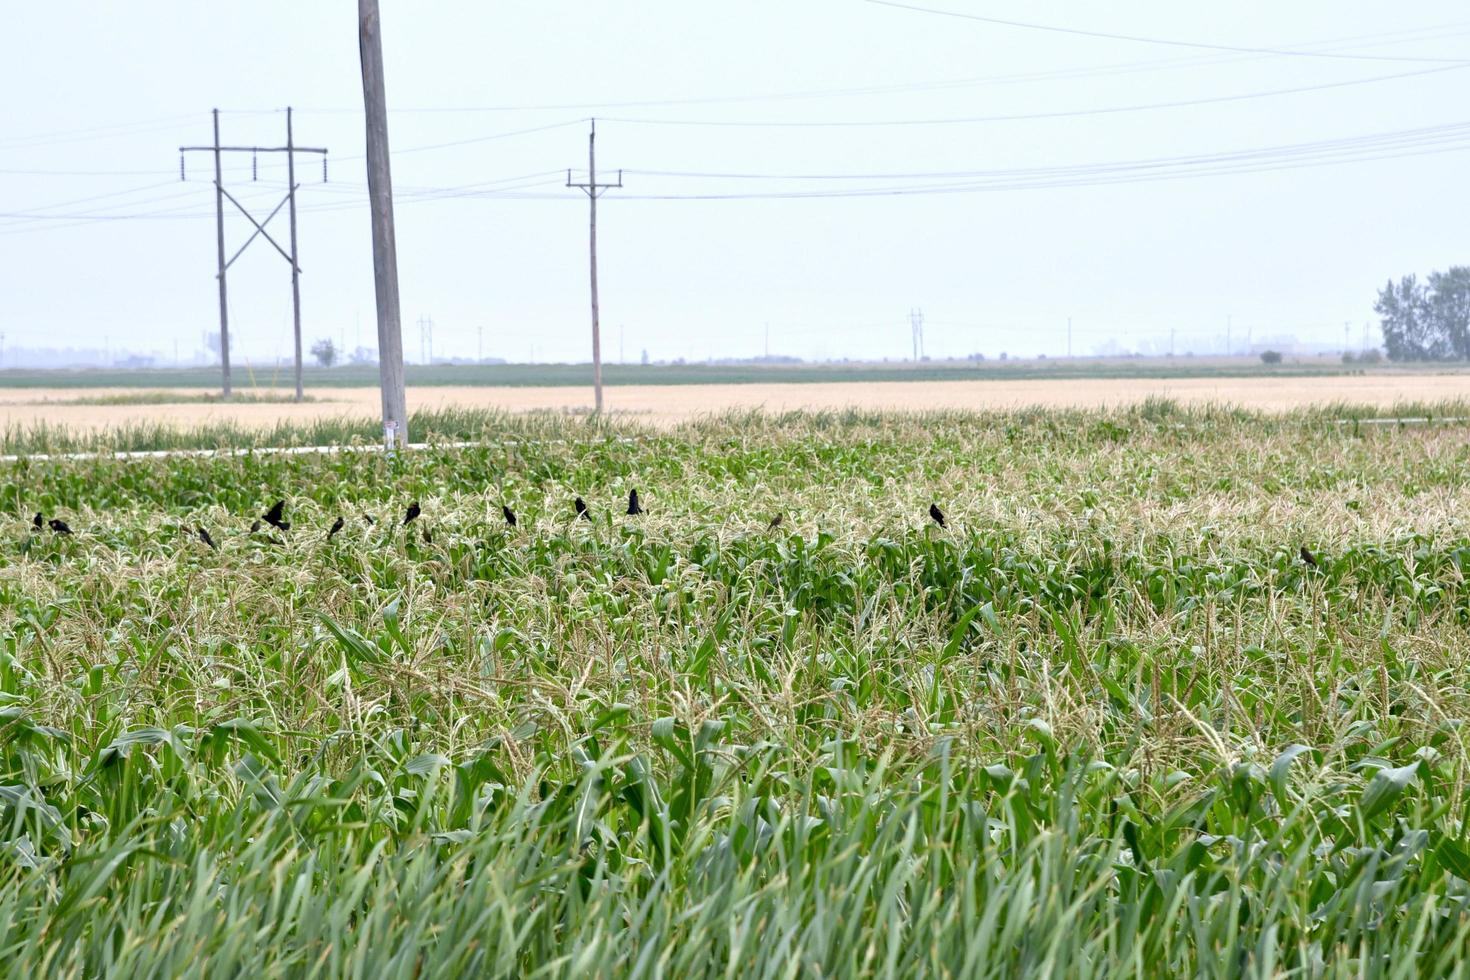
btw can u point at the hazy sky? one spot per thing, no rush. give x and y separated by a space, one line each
99 239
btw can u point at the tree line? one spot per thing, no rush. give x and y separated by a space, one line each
1429 320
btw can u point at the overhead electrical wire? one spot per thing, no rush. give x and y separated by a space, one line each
1065 74
1024 116
1426 135
94 132
1420 141
97 197
1268 159
1169 42
473 139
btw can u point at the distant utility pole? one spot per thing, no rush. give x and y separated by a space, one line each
594 190
1171 341
916 327
426 339
290 149
1346 327
385 245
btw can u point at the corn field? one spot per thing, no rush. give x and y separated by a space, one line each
1106 722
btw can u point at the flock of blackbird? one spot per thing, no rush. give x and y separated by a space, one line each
276 518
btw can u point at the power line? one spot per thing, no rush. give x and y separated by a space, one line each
1291 156
1389 145
1421 135
93 132
479 139
172 128
1018 117
1103 180
96 197
1063 74
1201 45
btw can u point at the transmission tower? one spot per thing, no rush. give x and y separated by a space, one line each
290 149
916 327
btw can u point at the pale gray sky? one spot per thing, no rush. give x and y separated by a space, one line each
995 261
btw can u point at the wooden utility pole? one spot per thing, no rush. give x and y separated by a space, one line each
594 190
219 234
220 195
385 247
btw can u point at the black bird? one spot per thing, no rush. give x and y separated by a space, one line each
581 506
275 516
775 522
428 538
368 517
204 536
1308 557
937 514
633 507
254 527
38 522
510 515
336 526
413 513
58 525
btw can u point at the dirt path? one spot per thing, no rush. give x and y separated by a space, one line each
666 404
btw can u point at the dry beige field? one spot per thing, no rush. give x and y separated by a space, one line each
669 404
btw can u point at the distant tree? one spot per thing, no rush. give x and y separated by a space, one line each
1428 321
1371 356
1449 307
1270 357
364 355
325 352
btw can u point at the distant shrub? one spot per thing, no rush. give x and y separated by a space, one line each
1349 357
1371 356
1270 357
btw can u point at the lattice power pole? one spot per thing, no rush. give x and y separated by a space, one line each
289 201
916 327
594 191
